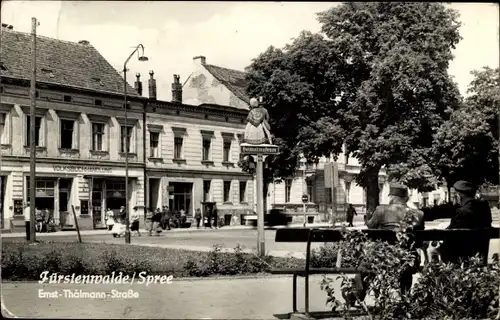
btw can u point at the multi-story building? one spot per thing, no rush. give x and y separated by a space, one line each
192 155
80 132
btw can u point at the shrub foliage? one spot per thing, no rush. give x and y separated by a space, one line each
441 291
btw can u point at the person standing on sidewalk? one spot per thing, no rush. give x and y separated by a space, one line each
197 216
27 219
351 212
110 219
215 214
134 224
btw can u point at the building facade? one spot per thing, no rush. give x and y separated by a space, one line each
192 158
80 133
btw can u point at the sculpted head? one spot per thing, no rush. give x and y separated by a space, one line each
254 103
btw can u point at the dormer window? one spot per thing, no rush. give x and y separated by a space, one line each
48 72
98 80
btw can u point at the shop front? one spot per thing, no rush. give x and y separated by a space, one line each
64 191
108 193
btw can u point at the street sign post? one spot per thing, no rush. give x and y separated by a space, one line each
305 199
259 152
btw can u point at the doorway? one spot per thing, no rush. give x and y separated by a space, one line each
97 203
3 185
154 192
181 196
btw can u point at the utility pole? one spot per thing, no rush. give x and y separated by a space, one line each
32 132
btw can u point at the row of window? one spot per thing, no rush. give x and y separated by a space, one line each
69 138
226 191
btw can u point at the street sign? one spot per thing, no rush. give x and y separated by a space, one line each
305 198
335 173
256 149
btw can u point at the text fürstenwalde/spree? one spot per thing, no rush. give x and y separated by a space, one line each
113 278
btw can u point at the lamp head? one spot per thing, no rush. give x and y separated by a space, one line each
143 58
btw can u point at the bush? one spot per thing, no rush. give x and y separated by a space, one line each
443 291
238 263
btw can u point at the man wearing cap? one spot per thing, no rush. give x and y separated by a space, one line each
392 216
472 214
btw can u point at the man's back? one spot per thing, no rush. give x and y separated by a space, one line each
472 214
392 216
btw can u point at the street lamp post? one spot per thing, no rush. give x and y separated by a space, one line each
140 58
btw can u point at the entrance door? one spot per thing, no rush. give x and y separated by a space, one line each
97 203
64 194
3 183
180 198
154 190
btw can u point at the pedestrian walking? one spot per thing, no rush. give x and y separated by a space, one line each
197 216
165 222
183 217
27 219
148 221
156 222
134 224
122 214
351 212
215 214
110 219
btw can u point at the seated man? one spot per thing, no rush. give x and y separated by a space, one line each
392 216
396 216
471 214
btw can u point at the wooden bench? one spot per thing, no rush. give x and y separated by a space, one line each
310 235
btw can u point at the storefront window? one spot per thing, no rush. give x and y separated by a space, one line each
44 193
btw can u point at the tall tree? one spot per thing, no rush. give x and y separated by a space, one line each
378 84
466 146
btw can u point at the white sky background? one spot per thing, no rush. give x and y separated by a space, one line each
228 34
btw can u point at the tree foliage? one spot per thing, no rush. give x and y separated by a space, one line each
466 146
377 83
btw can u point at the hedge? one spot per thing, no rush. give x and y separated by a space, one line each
21 261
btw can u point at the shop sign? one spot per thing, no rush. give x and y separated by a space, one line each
81 169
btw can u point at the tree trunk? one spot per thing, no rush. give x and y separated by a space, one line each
372 189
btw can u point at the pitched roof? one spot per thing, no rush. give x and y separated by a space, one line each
59 62
234 80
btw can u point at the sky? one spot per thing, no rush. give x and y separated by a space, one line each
228 34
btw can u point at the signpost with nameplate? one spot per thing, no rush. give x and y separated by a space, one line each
259 153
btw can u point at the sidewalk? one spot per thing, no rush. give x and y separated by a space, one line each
213 298
104 231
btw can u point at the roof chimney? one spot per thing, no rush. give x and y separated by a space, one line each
138 84
152 86
177 89
84 42
200 60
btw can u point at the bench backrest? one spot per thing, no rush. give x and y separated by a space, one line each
335 235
